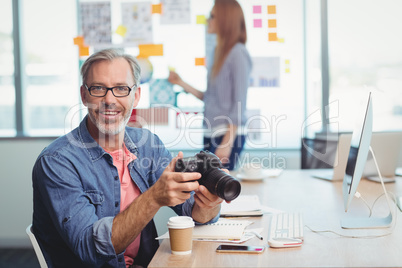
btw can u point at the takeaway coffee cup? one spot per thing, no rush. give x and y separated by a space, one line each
181 234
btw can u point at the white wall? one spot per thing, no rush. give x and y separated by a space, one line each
16 160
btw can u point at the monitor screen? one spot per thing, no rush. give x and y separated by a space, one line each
351 164
359 148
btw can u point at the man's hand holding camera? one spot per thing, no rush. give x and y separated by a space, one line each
215 184
174 188
201 174
207 205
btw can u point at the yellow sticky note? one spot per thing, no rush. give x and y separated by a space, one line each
201 19
287 61
150 50
79 40
281 40
121 30
172 69
199 61
83 51
272 37
271 9
271 23
157 9
287 70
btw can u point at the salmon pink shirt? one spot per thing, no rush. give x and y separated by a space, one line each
128 192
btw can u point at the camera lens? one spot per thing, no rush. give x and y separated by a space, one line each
222 184
229 188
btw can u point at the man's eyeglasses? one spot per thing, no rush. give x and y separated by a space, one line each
101 91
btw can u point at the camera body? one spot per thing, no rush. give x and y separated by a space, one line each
213 177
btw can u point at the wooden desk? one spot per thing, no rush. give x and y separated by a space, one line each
321 203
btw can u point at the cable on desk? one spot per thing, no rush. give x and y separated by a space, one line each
366 236
359 196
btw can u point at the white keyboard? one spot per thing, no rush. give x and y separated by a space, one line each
287 225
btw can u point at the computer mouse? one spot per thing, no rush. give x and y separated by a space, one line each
284 242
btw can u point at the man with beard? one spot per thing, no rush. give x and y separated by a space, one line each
97 189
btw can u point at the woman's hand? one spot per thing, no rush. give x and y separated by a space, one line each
174 78
223 152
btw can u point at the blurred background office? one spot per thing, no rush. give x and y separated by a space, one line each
313 60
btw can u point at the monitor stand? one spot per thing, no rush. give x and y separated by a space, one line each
378 179
371 222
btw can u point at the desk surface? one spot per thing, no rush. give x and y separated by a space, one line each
321 203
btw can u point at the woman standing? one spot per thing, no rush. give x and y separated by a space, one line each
228 79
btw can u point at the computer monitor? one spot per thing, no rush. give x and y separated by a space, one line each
359 148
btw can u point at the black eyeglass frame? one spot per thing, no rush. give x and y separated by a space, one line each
111 89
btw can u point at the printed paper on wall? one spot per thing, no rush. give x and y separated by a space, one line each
137 18
266 72
96 23
175 12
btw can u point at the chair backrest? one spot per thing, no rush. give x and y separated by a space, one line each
36 247
318 153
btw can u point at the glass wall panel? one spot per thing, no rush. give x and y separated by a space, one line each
276 119
7 90
365 55
51 68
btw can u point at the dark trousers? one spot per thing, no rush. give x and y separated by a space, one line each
211 144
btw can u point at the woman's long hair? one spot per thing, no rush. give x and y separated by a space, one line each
231 29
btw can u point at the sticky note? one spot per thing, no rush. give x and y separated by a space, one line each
272 23
256 9
157 9
199 61
272 37
287 70
201 19
121 30
79 40
173 69
150 50
83 51
281 40
257 23
271 9
287 61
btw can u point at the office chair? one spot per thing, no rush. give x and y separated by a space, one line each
318 153
38 251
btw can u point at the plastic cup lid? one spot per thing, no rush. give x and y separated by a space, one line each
180 222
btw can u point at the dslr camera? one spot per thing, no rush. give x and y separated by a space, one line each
213 178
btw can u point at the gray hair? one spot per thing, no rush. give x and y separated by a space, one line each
108 55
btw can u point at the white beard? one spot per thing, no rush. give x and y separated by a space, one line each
106 129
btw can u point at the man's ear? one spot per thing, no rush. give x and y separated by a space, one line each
83 92
137 96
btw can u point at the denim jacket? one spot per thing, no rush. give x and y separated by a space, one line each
77 194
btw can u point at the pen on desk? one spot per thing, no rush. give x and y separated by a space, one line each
257 235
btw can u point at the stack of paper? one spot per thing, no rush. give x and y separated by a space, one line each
244 205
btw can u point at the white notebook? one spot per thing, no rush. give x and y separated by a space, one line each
222 229
242 206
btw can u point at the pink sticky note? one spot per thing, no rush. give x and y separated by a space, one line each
256 9
257 23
